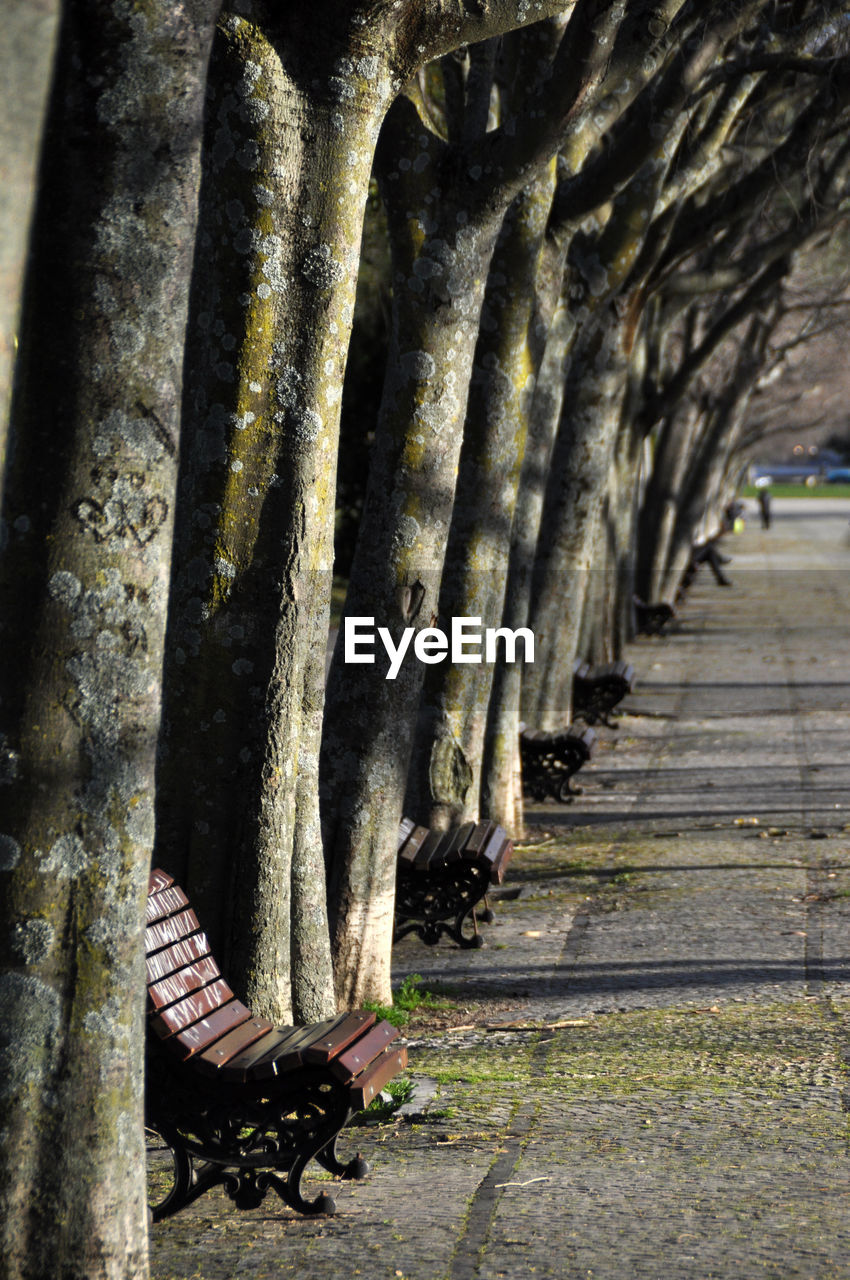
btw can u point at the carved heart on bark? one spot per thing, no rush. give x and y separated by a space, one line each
114 519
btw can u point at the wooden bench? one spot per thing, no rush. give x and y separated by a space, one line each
651 619
231 1099
442 876
550 760
598 689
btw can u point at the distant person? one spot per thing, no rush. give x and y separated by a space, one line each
764 507
708 553
732 513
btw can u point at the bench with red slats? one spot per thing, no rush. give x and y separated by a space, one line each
443 875
233 1099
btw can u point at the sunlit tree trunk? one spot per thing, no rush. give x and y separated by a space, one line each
501 791
456 696
438 288
26 60
88 503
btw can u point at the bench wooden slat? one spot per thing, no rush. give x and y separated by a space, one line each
426 850
290 1053
412 845
340 1037
176 957
361 1053
211 1061
282 1051
480 835
405 828
255 1060
173 929
167 902
203 1034
158 880
370 1082
200 1004
180 984
457 845
498 852
430 861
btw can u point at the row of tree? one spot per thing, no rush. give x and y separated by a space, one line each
589 212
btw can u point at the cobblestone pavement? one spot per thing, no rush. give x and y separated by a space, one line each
649 1069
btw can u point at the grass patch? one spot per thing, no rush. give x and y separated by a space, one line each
800 491
722 1049
410 998
717 1051
393 1095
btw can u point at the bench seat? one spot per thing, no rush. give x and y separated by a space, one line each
442 876
230 1098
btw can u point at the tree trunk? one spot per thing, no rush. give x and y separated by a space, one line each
288 164
438 288
89 501
673 443
578 471
26 59
456 696
501 787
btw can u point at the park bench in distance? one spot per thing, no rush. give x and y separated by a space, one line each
598 689
443 875
231 1099
651 619
549 760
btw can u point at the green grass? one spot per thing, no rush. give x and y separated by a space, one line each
800 491
393 1095
410 997
720 1050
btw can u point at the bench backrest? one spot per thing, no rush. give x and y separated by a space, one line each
189 1003
422 850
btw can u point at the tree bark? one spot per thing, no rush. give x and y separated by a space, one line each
456 696
289 158
578 471
501 787
88 504
26 60
457 194
438 285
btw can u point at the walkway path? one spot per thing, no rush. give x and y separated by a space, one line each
648 1078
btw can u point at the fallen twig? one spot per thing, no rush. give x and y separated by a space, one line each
521 1184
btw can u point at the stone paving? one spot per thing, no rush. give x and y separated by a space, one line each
649 1075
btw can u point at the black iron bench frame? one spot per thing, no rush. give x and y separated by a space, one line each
651 619
598 689
442 877
232 1100
550 760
